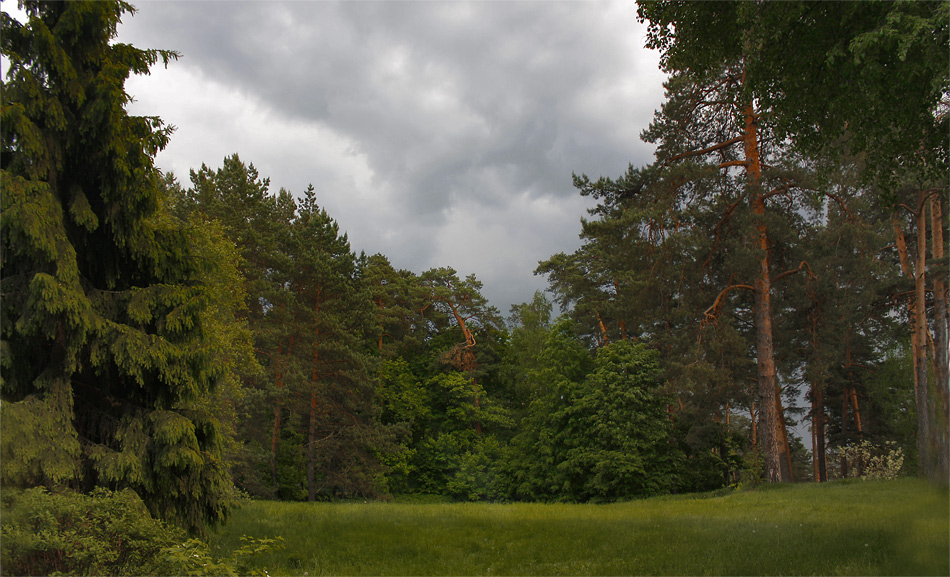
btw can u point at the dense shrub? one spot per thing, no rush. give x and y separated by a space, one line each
868 461
102 533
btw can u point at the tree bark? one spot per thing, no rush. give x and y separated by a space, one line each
940 403
773 437
917 352
312 426
604 339
311 446
818 433
278 407
924 445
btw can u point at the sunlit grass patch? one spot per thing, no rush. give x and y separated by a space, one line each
871 528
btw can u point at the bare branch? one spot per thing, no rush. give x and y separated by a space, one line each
801 266
713 310
700 152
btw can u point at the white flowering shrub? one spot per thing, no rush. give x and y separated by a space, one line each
869 461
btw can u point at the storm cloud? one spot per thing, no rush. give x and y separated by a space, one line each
436 133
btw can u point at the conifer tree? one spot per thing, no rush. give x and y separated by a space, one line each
342 427
842 77
105 304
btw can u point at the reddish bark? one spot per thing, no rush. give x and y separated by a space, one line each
604 340
773 437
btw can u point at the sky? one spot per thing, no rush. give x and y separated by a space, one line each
436 133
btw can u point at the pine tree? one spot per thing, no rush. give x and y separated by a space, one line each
343 431
106 306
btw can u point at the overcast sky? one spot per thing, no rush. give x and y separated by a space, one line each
435 133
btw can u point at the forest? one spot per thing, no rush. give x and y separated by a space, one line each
766 302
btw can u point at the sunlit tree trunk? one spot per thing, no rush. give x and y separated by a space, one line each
773 438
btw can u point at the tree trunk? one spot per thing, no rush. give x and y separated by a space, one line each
604 340
924 444
275 435
917 349
312 427
755 424
773 438
818 433
941 400
311 446
844 433
855 409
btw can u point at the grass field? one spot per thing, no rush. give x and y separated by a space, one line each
857 528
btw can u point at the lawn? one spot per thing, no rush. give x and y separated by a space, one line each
844 528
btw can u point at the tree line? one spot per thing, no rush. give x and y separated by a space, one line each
781 263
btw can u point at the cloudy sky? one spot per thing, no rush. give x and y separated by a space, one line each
437 133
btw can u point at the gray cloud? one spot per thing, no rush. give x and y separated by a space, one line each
437 133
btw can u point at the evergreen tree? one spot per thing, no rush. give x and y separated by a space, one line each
343 434
110 340
841 78
237 199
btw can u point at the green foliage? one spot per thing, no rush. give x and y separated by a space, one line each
114 319
616 429
291 463
194 557
311 323
106 533
874 73
401 396
600 431
530 325
867 461
480 474
102 533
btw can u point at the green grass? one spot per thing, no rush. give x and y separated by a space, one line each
858 528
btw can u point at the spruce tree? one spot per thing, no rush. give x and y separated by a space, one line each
105 351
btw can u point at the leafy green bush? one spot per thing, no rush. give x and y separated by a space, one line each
103 533
869 461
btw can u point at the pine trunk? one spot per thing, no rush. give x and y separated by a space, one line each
312 427
924 445
941 400
275 434
604 339
818 433
917 352
311 447
773 438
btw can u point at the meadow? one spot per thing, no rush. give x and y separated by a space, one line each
899 527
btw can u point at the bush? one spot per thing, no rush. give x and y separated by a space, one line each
103 533
869 461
